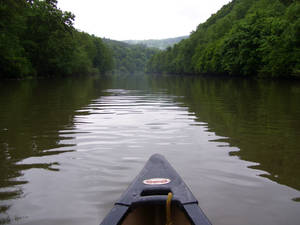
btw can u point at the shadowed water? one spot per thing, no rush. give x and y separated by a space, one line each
70 147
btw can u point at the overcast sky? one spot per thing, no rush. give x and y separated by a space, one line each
140 19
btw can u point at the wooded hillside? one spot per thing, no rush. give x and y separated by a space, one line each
245 37
38 39
129 58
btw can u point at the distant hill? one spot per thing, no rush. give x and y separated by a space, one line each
155 43
129 58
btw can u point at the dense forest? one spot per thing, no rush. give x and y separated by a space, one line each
158 43
38 39
245 37
129 58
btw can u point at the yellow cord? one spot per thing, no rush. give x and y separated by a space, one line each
168 209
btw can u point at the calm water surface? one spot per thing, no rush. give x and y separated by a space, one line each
70 147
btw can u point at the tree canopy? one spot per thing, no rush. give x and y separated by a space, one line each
38 39
245 37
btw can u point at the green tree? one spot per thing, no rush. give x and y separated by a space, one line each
245 37
13 61
38 39
48 39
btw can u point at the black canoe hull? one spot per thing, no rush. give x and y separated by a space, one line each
151 187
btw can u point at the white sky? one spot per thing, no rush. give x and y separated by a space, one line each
140 19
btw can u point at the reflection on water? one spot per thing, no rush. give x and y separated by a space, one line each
262 118
32 114
70 147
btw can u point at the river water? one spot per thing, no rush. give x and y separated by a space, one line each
70 147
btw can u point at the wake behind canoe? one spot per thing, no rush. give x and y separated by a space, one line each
157 196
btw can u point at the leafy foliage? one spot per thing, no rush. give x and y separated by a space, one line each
245 37
38 39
